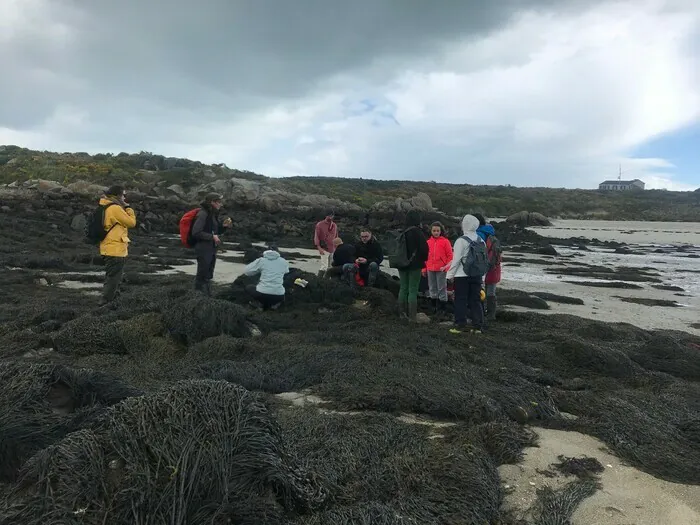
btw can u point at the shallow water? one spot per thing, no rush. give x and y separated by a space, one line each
632 232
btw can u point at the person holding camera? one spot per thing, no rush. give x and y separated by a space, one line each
206 231
118 218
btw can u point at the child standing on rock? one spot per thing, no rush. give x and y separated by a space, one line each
439 259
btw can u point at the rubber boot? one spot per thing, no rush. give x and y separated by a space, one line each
491 308
412 312
403 309
442 309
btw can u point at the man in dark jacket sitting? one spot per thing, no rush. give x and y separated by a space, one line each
343 261
369 256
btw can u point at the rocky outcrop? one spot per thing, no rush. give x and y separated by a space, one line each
420 202
259 210
525 218
265 197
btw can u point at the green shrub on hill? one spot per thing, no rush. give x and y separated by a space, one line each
20 164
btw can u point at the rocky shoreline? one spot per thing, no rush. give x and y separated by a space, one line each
348 416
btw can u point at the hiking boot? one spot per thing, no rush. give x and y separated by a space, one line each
434 306
412 312
403 309
491 308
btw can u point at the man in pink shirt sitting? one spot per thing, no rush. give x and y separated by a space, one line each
325 233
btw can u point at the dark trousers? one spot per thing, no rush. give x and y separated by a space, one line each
206 262
468 298
114 271
369 273
267 300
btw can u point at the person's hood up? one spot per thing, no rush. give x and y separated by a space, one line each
413 218
469 225
271 255
487 229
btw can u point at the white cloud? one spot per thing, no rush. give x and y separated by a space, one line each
556 99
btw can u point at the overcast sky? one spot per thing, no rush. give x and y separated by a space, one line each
529 93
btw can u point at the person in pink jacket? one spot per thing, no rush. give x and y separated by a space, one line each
439 259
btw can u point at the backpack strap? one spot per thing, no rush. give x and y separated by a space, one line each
104 209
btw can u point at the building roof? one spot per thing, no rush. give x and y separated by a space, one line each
620 181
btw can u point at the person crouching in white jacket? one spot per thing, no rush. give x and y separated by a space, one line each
272 269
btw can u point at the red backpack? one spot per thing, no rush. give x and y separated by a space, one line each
186 224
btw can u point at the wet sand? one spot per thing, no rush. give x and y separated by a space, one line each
628 496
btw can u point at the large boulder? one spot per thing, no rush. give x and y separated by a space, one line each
43 186
87 189
421 202
176 189
525 218
265 197
78 223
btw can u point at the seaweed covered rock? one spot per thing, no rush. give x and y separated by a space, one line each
503 440
317 291
106 334
89 335
198 317
197 452
653 431
384 471
40 404
525 218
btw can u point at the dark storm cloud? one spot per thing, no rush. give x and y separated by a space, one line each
221 58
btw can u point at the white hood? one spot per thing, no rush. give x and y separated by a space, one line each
469 226
461 247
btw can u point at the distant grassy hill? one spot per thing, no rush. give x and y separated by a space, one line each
21 164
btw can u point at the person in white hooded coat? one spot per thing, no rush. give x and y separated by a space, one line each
467 290
272 268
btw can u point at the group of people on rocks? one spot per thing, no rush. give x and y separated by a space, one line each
356 264
472 265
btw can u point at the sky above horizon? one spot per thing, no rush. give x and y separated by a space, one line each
554 93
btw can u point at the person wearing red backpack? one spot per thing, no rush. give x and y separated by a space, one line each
493 277
204 237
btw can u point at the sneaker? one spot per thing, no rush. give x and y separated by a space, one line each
476 332
457 329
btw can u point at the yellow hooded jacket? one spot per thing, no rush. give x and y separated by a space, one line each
116 243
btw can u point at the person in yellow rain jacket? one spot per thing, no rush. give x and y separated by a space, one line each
114 248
